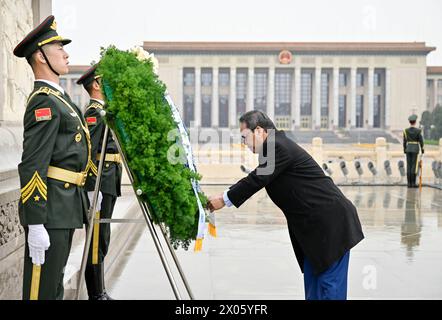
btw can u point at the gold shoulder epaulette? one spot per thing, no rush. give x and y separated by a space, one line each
43 90
97 105
94 105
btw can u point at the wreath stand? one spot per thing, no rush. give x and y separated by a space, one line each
145 209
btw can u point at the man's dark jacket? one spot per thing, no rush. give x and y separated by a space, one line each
323 224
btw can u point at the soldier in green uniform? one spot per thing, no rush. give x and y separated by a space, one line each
110 185
412 139
55 159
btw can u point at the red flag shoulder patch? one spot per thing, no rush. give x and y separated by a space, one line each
43 114
91 120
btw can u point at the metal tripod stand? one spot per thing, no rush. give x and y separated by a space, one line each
145 209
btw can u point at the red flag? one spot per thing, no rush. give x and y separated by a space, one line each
91 120
43 114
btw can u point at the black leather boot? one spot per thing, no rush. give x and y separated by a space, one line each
104 295
94 277
92 286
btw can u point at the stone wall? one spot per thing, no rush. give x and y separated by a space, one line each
17 18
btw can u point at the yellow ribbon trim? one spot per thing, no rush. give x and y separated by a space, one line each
212 230
198 245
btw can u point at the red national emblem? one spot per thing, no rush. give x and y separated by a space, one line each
43 114
91 120
285 57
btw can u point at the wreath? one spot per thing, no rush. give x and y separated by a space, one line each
141 118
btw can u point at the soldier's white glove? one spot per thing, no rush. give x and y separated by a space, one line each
38 242
90 195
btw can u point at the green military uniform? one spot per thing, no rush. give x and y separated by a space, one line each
56 156
412 139
110 187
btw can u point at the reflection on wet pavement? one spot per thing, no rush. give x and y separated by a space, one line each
252 258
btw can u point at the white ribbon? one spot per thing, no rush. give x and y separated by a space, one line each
185 141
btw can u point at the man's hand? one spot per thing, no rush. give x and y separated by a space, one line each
38 243
216 202
90 195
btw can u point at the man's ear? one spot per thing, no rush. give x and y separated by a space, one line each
38 57
96 86
259 130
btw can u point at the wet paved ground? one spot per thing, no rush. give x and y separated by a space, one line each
400 258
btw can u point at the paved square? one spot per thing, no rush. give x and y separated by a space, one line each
252 258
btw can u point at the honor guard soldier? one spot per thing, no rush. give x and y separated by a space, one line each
110 187
412 139
55 159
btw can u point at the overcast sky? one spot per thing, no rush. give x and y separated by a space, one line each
91 24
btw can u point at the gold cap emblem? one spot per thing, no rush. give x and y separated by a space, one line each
54 25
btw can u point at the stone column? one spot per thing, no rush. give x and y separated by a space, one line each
250 89
292 100
440 148
180 97
370 97
387 98
69 82
41 9
215 98
232 99
381 154
296 114
197 119
434 93
271 94
353 97
335 97
317 100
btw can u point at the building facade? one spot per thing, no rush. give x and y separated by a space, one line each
77 93
302 86
434 87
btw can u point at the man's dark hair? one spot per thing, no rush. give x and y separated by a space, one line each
88 87
31 59
413 122
256 118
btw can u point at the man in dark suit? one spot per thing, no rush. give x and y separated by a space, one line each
323 224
